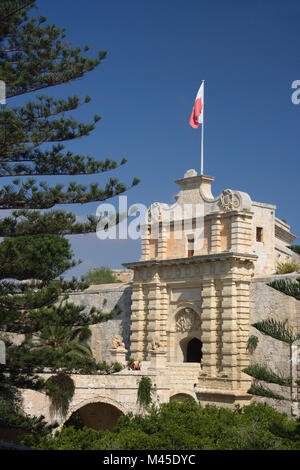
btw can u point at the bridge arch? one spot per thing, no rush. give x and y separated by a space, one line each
99 413
181 395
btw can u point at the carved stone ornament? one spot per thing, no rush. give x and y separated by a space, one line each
187 320
155 344
155 277
229 201
154 213
117 343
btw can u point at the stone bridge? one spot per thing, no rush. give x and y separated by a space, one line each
101 399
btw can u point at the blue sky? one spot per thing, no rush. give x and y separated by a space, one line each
158 53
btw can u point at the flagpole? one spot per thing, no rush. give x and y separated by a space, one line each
202 133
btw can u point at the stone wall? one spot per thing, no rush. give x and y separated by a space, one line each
276 355
106 297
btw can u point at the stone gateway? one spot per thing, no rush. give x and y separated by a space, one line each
199 286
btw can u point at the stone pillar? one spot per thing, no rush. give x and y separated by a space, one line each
154 309
118 355
241 241
229 331
137 337
208 328
215 236
158 358
145 245
164 308
162 243
243 311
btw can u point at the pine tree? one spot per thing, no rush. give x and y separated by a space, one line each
34 56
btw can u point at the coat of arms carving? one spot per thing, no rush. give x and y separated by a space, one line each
187 320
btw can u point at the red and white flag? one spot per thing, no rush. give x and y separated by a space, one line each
197 113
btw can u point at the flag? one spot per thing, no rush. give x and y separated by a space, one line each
197 113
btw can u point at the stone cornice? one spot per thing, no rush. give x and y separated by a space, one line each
284 234
193 259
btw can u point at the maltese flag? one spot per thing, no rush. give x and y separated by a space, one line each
197 113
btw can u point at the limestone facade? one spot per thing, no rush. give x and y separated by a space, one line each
191 287
187 313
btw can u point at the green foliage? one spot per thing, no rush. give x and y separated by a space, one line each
100 276
287 267
130 361
60 388
42 257
267 375
295 248
54 347
144 398
261 391
276 329
34 56
252 344
108 369
14 419
75 421
45 61
10 400
184 426
287 286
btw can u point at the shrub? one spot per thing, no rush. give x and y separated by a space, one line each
276 329
60 388
295 248
75 420
264 392
144 392
287 267
107 369
100 276
252 344
185 426
267 375
287 286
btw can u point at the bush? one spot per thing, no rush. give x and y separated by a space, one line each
107 369
185 426
252 344
144 392
267 375
264 392
287 267
276 329
100 276
287 286
295 248
60 388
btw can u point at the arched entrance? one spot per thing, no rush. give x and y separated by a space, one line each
191 348
98 416
194 350
181 397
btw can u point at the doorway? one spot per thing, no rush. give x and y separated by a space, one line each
194 350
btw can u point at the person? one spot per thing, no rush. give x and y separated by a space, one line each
135 365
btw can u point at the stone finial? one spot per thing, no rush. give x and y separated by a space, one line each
190 173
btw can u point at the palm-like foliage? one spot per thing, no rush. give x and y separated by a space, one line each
64 340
